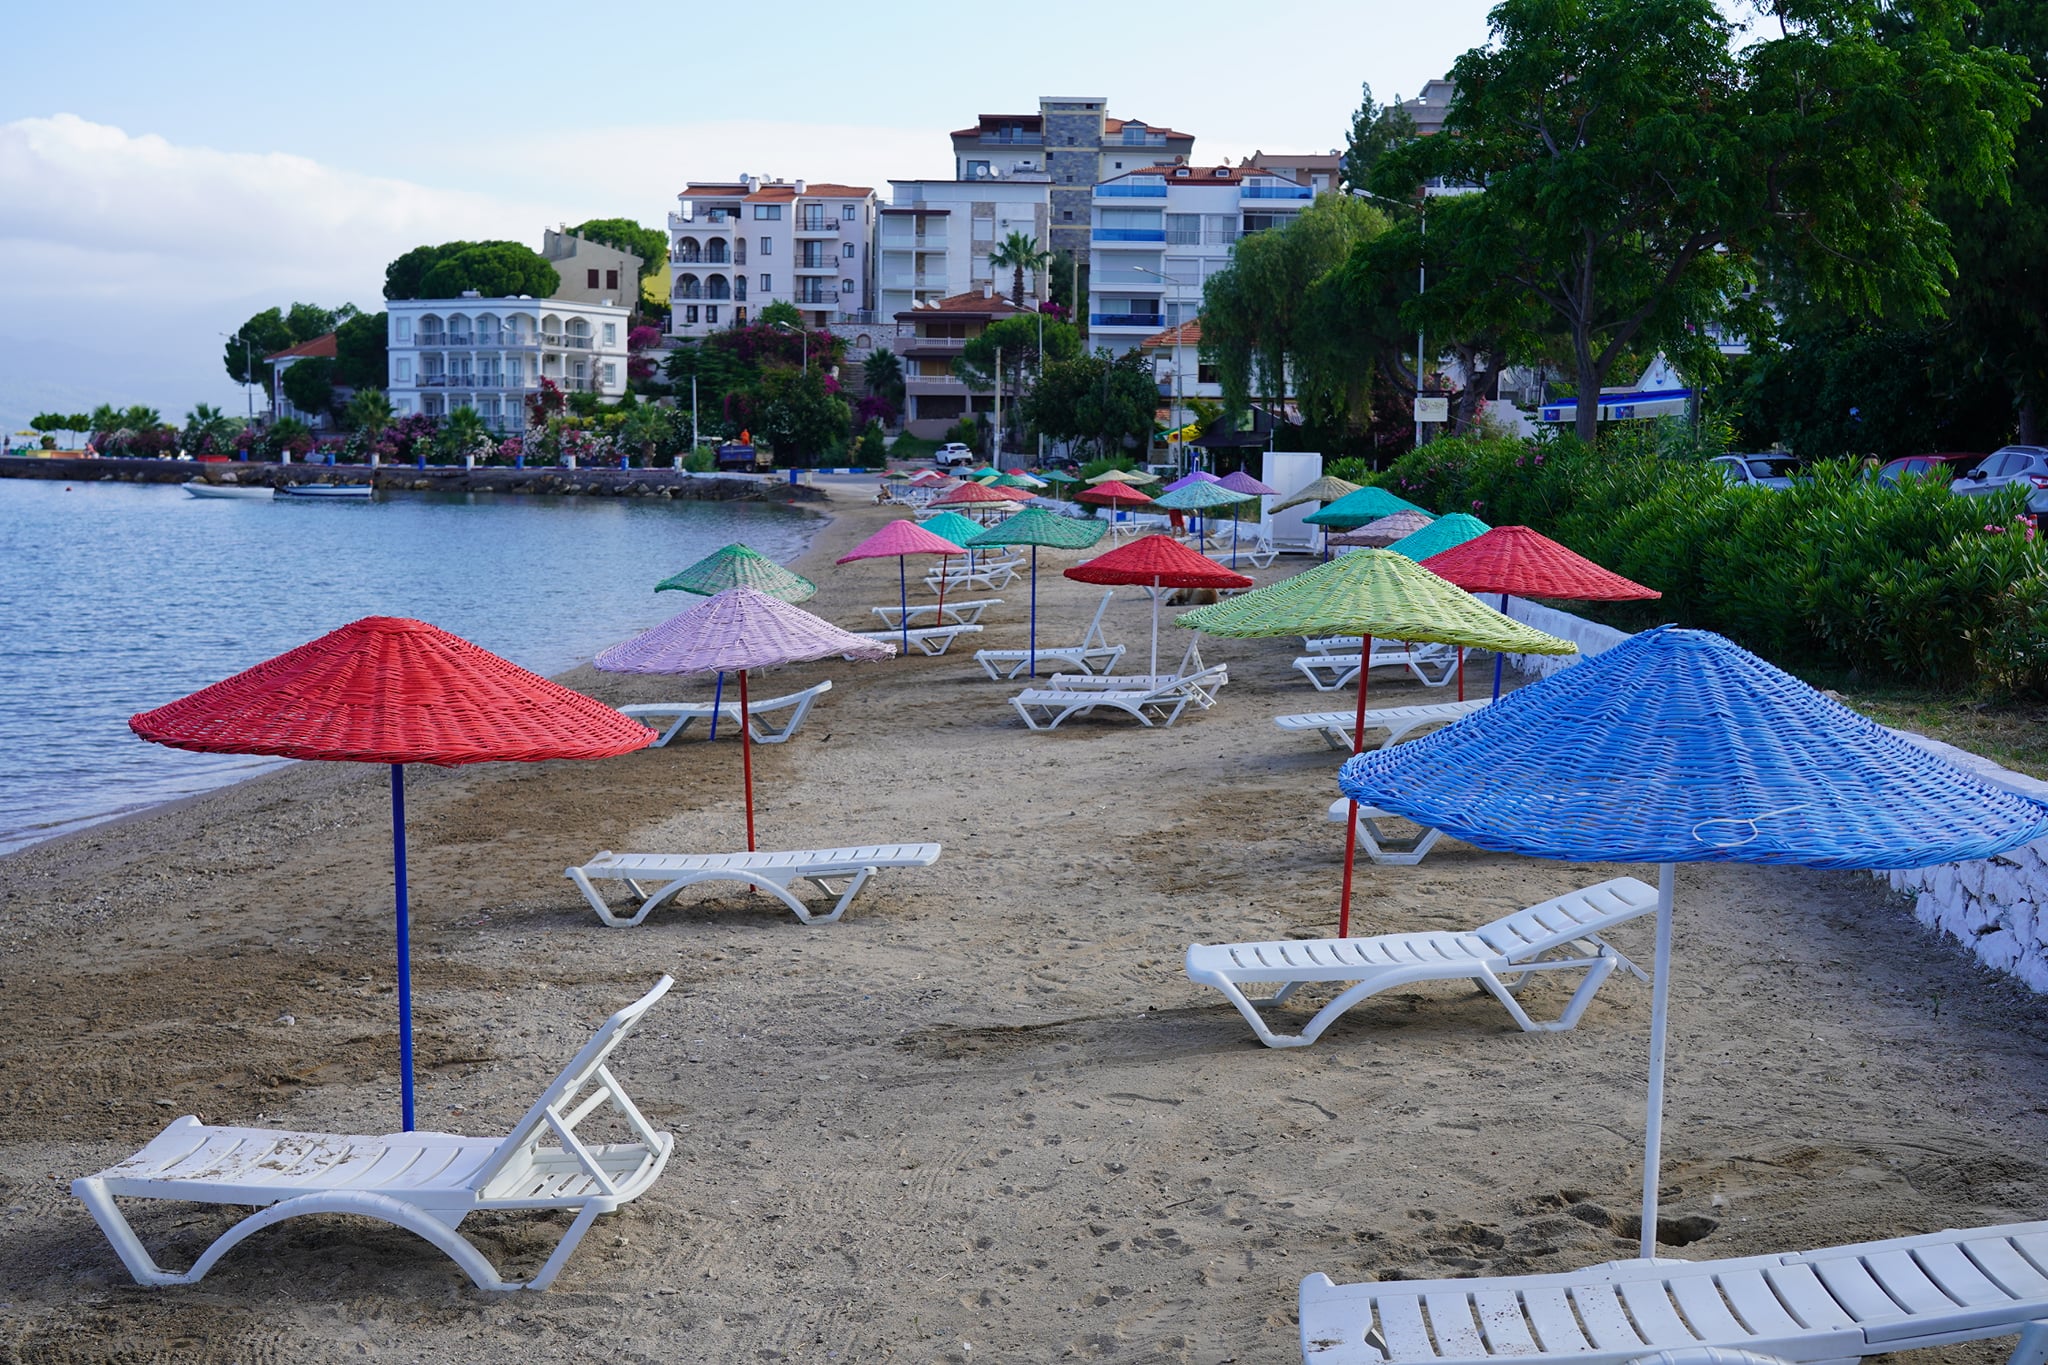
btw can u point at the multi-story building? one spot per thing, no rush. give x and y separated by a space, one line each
1319 171
735 248
936 235
1160 232
928 339
591 271
319 348
1073 141
1428 108
491 353
1180 372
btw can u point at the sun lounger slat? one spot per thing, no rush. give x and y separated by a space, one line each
1751 1296
1649 1305
1557 1326
1402 1326
1958 1277
773 872
1699 1299
1501 1321
1852 1286
1808 1298
2005 1267
1902 1279
1606 1323
1452 1325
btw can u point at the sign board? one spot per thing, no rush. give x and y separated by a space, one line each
1428 409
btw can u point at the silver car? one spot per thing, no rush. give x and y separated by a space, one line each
1755 471
2024 466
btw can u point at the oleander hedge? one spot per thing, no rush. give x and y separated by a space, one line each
1836 576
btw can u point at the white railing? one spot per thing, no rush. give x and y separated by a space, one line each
565 342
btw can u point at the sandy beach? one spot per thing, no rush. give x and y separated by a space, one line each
985 1117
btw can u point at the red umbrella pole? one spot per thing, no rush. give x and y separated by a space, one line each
1357 747
747 758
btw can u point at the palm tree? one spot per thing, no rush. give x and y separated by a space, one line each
205 429
883 373
1018 253
369 412
462 431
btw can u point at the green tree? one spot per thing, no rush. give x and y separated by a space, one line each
779 313
360 352
1095 398
882 372
309 384
873 451
462 432
262 335
649 244
1016 338
369 411
495 269
1018 253
801 421
645 429
1376 129
206 430
1639 169
304 322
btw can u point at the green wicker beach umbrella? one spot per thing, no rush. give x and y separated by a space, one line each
1200 496
1368 593
1059 476
1328 488
1357 508
1034 526
1014 481
736 566
953 527
1442 534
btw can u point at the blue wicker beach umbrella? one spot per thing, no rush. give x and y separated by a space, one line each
1679 747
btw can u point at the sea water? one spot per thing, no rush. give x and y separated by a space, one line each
115 598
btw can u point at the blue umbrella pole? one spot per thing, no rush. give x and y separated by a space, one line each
1497 655
404 942
717 696
903 599
1034 611
1233 540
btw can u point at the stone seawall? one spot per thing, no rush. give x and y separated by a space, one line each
642 483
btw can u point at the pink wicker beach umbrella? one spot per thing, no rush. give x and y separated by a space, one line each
899 540
738 629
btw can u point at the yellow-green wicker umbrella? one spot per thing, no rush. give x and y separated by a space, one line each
1328 488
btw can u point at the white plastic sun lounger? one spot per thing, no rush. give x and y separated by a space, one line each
424 1182
773 873
953 613
798 704
1835 1305
931 639
1045 708
1398 721
1190 664
1094 649
1499 956
1341 670
990 574
1378 842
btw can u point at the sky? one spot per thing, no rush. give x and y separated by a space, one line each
166 171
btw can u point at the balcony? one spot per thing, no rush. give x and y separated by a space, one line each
1115 236
1129 139
818 298
1014 139
468 381
817 227
567 343
913 282
1277 192
710 222
824 265
1179 236
1145 190
1151 322
700 261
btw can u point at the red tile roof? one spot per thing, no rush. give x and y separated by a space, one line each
963 305
828 191
1116 125
1208 175
1189 333
319 348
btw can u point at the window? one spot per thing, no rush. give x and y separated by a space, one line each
611 374
767 284
768 213
848 251
405 329
977 170
711 313
690 314
1119 165
1205 373
402 406
846 286
846 212
404 375
739 286
767 246
739 316
611 279
611 334
1066 215
590 280
934 368
515 372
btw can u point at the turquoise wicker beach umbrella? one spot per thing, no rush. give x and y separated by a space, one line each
1059 476
1034 526
1199 495
1357 508
736 566
1679 747
953 527
1442 534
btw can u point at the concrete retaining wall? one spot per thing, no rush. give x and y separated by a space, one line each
644 483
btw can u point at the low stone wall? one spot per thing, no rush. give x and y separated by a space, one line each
1995 907
643 483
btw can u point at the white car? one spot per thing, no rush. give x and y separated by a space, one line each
1755 471
2007 467
952 453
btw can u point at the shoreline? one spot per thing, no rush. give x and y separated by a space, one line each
985 1116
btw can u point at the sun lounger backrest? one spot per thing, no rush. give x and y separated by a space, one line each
1594 910
563 1104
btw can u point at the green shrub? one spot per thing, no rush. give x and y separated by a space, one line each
1118 463
701 460
1909 585
967 432
873 448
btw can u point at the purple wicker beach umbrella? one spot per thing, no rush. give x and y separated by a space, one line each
1192 476
1680 747
1237 481
737 630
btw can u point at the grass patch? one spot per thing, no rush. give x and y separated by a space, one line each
913 448
2015 737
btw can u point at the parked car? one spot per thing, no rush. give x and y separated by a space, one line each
2026 466
1756 471
1942 466
952 453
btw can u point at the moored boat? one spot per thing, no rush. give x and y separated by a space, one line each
358 491
199 488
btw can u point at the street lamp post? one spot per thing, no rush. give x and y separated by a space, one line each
248 368
799 327
1421 286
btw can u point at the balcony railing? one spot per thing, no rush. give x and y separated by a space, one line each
812 227
1178 236
1277 192
1011 140
1130 234
720 262
1154 321
1147 190
1128 139
469 381
821 298
565 342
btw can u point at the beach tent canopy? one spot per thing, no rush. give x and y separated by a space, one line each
1384 532
737 566
1440 535
1059 476
1036 526
1515 559
1157 561
1362 505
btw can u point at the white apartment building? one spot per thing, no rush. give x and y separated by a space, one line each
736 247
936 236
1159 233
492 353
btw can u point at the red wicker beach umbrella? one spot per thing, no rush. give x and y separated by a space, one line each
1158 562
1515 559
391 690
1113 494
898 540
971 493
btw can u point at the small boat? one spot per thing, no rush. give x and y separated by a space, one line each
199 488
359 492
